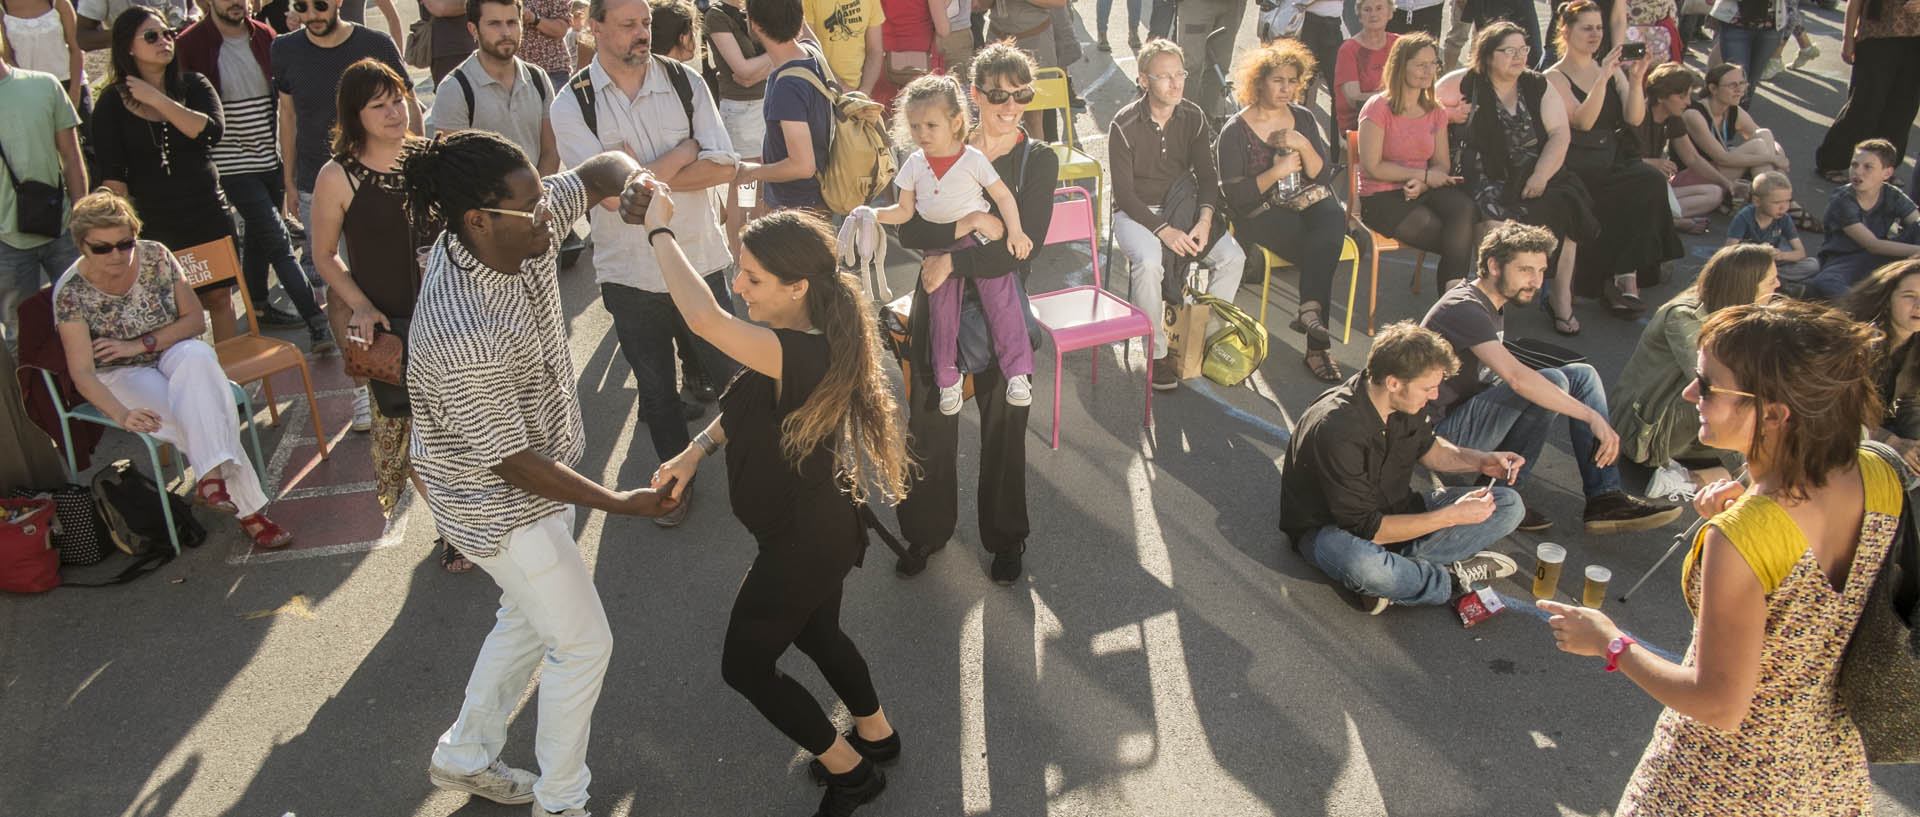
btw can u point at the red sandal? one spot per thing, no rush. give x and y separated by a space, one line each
266 534
211 493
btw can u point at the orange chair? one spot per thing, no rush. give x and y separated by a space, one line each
1381 243
251 356
1083 317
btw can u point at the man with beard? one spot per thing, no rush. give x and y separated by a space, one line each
659 112
1346 500
496 90
233 50
307 64
1495 401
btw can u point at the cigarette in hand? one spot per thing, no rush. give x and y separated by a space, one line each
356 339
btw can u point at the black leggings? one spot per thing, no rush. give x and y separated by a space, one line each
1312 240
1440 221
791 595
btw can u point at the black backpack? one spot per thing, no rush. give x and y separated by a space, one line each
677 73
129 503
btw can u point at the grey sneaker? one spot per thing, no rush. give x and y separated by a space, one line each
498 782
1484 566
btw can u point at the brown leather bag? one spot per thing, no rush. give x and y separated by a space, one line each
384 360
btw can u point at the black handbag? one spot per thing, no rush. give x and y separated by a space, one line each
1880 671
38 208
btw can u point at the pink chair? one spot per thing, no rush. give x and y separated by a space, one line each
1083 317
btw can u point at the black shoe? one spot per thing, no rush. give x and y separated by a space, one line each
885 750
1006 568
270 317
1620 512
847 792
1165 377
915 560
1535 521
319 336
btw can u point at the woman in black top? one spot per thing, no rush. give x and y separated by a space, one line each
152 128
1268 149
928 514
1515 156
812 432
1605 103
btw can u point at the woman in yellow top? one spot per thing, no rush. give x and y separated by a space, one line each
1776 579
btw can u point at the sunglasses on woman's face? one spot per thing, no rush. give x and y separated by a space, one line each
152 36
105 249
999 96
319 6
1707 389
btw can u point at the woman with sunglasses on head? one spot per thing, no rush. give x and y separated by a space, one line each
360 217
1776 579
131 328
153 128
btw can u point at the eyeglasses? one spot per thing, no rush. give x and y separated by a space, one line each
317 5
106 249
1514 51
1707 389
153 35
999 96
1173 77
537 215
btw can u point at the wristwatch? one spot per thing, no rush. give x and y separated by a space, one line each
1615 648
149 341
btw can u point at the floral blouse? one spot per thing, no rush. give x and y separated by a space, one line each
147 306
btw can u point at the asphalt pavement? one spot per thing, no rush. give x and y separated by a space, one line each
1164 655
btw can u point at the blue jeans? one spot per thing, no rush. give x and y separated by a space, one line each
1749 48
1499 419
646 323
24 272
1415 573
257 197
1104 8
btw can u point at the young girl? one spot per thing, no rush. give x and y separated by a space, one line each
942 182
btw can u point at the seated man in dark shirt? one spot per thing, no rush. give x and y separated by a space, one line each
1346 496
1495 401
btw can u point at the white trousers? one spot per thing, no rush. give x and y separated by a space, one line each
1145 258
190 392
549 610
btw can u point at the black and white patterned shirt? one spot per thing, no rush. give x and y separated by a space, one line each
489 376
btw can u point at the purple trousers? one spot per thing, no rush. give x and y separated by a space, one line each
1000 300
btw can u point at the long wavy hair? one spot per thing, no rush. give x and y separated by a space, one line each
1398 56
1871 301
853 408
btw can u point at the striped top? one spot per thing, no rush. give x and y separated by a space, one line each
247 145
489 376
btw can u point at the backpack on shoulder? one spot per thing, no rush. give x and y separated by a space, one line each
534 75
859 163
678 75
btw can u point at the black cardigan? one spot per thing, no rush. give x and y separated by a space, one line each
1487 149
1238 175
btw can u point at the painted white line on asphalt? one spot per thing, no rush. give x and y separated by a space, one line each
1355 790
1111 70
976 786
1046 627
1125 638
1149 548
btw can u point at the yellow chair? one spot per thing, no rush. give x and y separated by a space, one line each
1349 252
1381 243
1050 93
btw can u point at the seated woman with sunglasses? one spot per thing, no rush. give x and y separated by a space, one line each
131 329
153 127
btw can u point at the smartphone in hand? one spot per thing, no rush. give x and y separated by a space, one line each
1633 51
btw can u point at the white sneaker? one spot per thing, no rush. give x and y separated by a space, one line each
1772 70
498 782
362 411
950 399
539 811
1671 482
1806 55
1020 390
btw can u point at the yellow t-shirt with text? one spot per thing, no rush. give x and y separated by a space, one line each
842 27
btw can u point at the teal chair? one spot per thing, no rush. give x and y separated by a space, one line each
85 412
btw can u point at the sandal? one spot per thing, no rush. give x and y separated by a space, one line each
1321 362
211 493
1694 226
1568 325
1806 222
266 534
1621 304
1308 322
454 561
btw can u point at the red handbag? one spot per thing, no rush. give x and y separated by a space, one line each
29 563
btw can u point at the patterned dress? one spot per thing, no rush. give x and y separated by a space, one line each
1796 752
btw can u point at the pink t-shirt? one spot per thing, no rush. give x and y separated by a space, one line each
1357 63
1408 142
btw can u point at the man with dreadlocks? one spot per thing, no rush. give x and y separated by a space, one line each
496 433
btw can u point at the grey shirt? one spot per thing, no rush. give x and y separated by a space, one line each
515 113
240 74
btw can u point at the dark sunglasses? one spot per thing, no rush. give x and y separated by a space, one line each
999 96
1707 389
154 35
317 5
104 249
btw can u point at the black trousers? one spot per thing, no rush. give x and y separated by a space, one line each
1312 240
1882 98
931 509
1321 35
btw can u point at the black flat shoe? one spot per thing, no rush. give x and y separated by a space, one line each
850 791
914 560
1006 568
883 751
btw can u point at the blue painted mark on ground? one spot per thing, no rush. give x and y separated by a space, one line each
1206 388
1529 608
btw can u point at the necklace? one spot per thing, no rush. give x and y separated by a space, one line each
160 138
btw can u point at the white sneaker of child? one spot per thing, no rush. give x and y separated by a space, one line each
1020 390
950 398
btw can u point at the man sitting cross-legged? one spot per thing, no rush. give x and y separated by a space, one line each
1346 498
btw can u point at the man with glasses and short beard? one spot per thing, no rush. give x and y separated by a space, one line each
1496 401
233 51
1156 142
508 95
